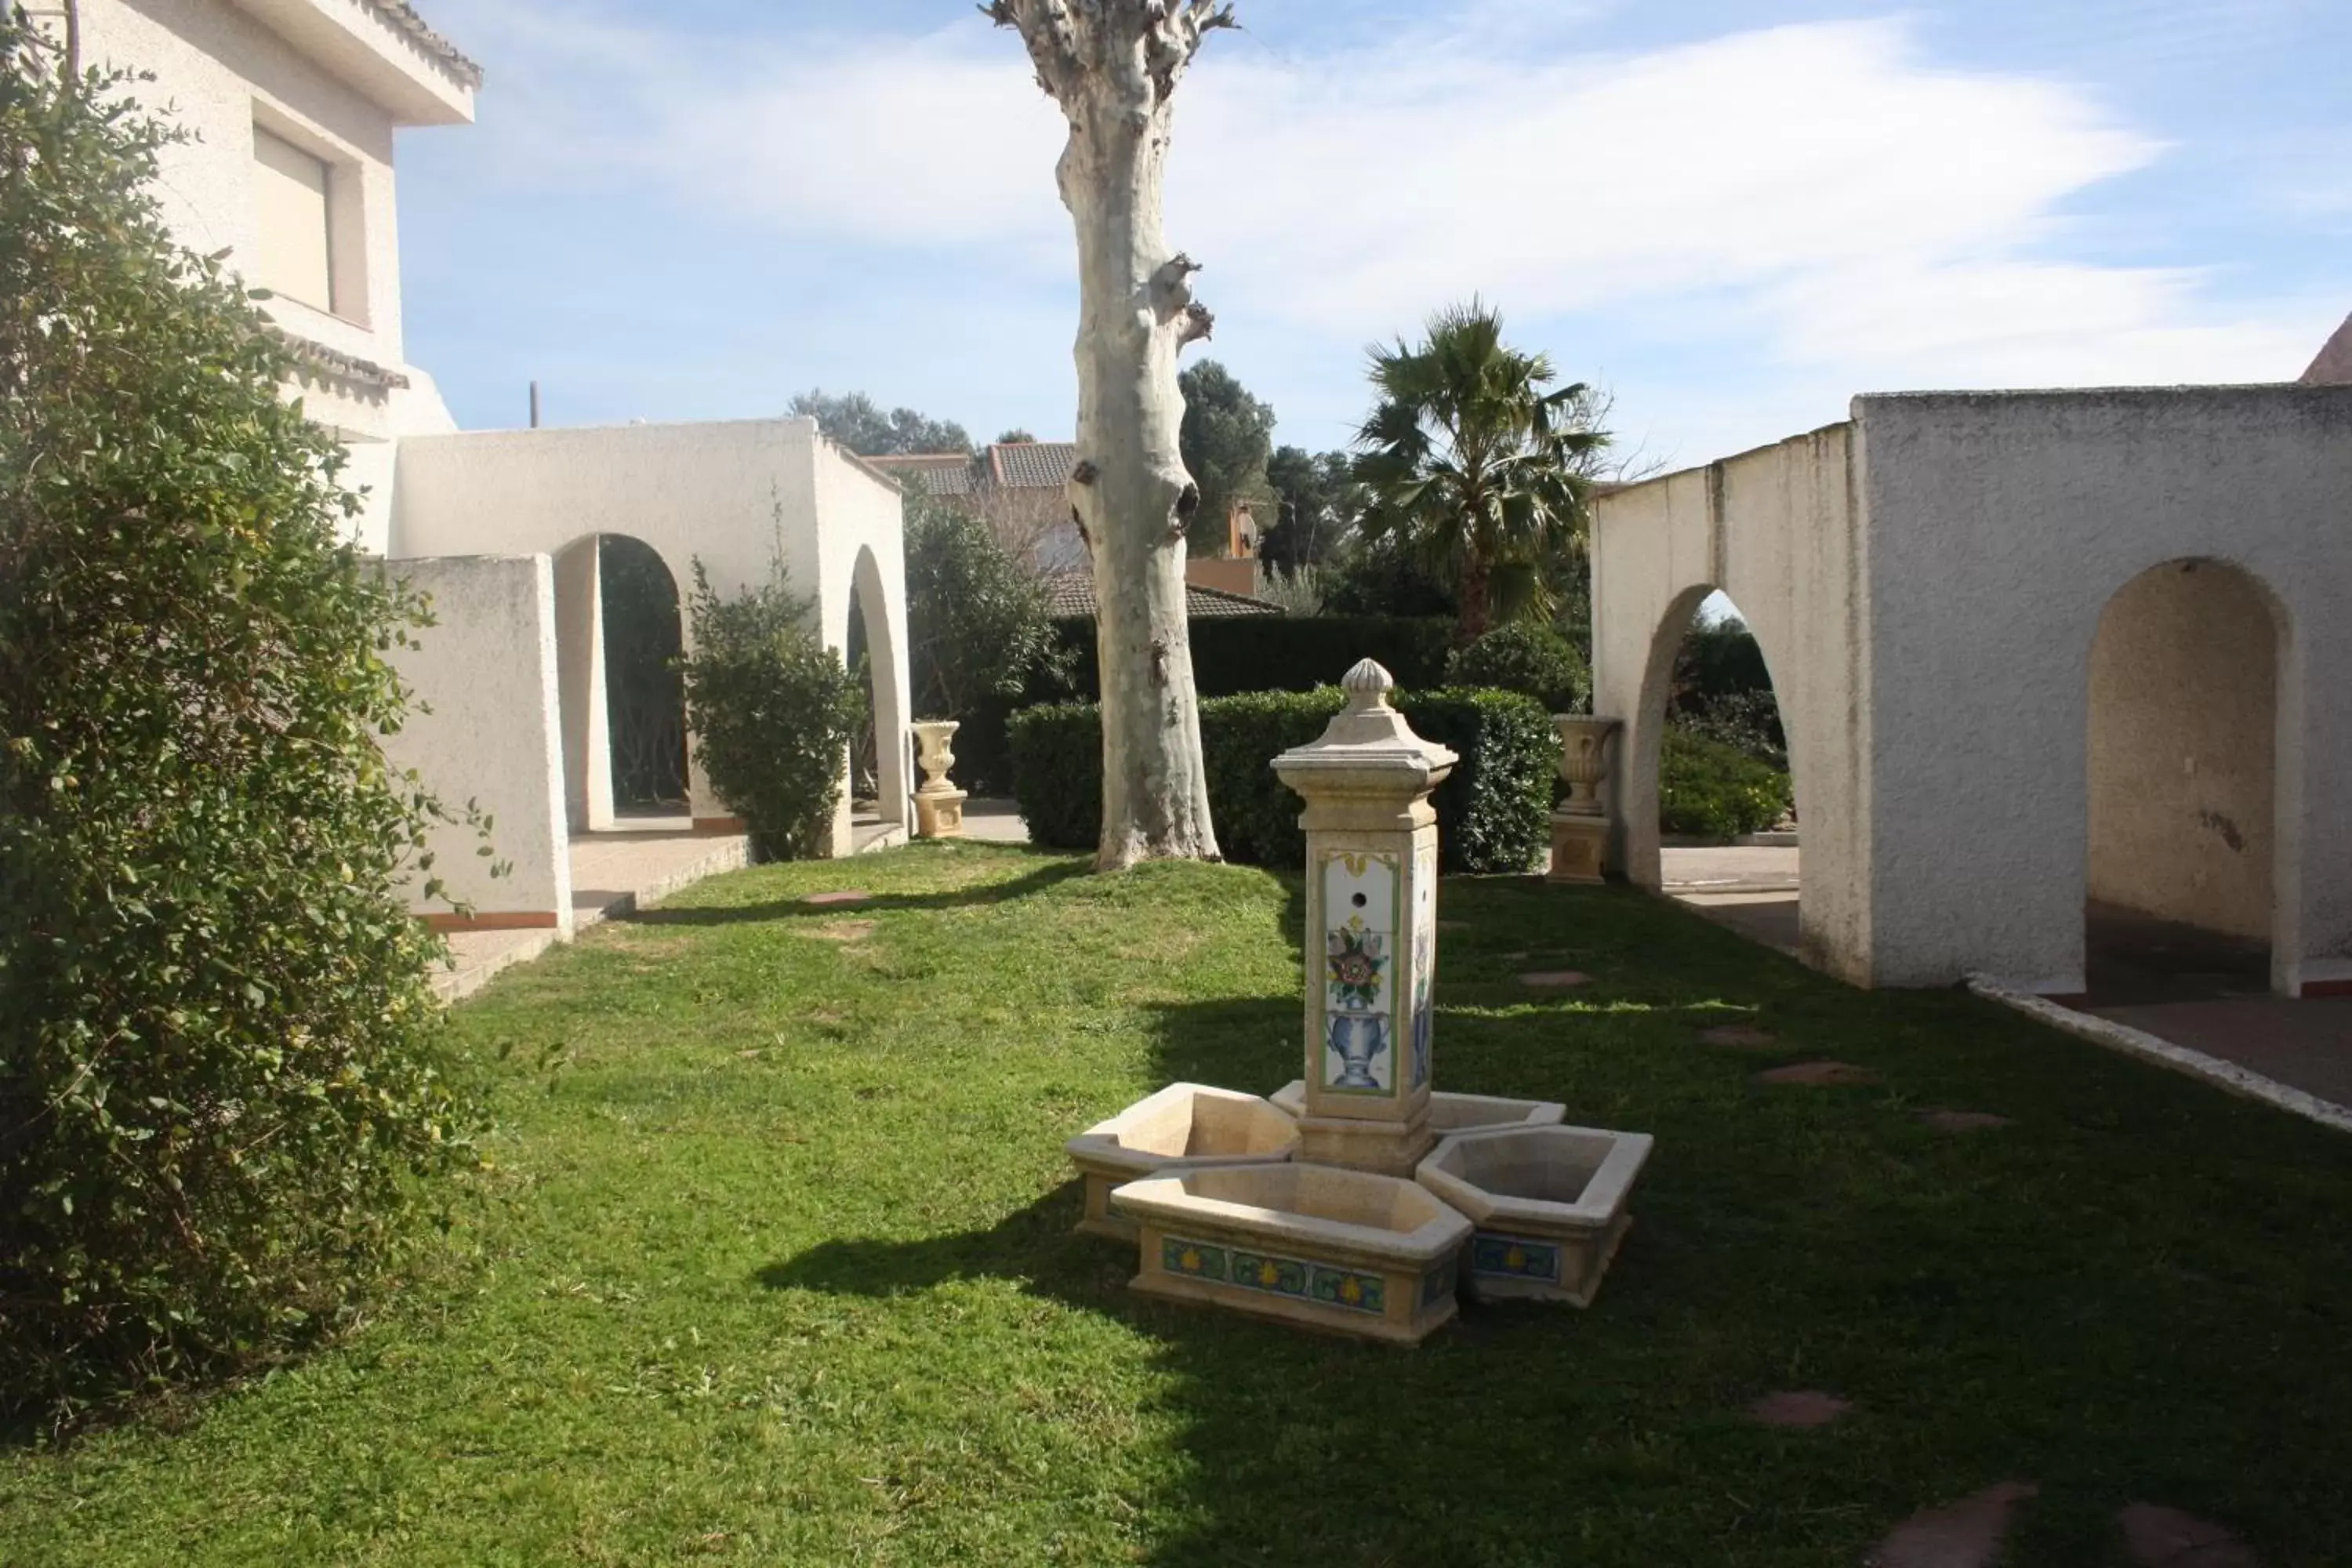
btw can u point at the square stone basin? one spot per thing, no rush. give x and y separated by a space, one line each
1450 1113
1186 1126
1548 1204
1344 1251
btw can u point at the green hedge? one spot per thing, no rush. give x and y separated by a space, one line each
1494 812
1709 789
1275 653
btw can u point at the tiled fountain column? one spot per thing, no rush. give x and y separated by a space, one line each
1371 931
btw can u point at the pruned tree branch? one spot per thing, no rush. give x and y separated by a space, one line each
1199 325
1068 37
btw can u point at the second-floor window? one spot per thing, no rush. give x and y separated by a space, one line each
295 256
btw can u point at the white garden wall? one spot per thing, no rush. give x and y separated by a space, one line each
485 682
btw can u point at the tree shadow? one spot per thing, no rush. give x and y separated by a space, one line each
1052 873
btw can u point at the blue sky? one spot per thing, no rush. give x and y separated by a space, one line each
1733 214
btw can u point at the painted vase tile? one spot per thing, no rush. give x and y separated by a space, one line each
1359 947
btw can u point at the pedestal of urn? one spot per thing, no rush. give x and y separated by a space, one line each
1371 924
939 805
1580 828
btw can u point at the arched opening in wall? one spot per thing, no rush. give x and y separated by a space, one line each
2180 876
618 633
864 741
645 692
1727 823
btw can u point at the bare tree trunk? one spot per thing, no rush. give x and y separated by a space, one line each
1113 65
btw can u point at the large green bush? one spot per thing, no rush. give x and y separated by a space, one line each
222 1068
772 711
977 636
1708 789
1533 660
1494 812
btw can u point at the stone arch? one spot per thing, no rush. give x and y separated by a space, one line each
2189 807
884 641
1646 728
583 687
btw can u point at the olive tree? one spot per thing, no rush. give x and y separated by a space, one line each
1113 65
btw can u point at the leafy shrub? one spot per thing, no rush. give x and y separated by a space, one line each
977 635
1748 721
222 1068
1712 790
1274 653
772 711
1533 660
1494 811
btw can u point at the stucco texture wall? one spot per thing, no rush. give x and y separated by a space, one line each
2001 525
1929 584
736 496
484 679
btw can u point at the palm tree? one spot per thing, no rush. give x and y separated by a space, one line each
1477 467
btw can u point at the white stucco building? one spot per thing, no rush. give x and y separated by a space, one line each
2035 652
296 105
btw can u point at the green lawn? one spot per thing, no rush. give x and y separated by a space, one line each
776 1265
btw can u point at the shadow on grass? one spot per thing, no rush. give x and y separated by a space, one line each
1059 870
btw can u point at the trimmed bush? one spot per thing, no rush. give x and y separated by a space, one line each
1532 660
1274 653
1708 789
772 711
222 1074
1494 812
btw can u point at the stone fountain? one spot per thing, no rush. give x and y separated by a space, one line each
1363 1223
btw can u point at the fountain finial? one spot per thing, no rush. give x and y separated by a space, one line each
1368 685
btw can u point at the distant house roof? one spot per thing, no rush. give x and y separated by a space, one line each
1070 595
1005 466
401 16
941 473
2334 366
1030 465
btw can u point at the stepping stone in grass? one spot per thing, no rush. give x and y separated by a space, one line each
1556 980
1963 1121
1804 1409
1818 1075
1740 1037
1968 1534
847 899
2167 1538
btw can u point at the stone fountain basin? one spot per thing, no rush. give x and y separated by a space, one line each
1451 1114
1186 1126
1345 1251
1548 1204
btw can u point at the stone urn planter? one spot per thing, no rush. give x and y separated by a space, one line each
1184 1127
1451 1113
939 805
1346 1251
1580 828
1548 1204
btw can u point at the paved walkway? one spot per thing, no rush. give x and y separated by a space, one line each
994 822
612 874
1753 891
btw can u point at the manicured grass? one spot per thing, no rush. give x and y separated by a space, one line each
777 1267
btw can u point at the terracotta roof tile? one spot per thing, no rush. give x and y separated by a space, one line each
1032 465
2334 366
1070 595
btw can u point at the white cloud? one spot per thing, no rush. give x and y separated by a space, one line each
1821 190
